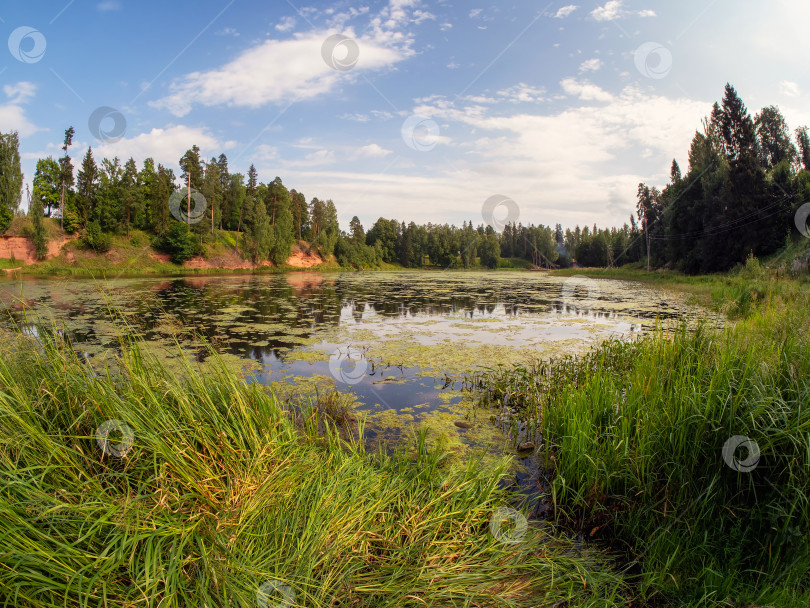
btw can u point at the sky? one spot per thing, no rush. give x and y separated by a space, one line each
410 109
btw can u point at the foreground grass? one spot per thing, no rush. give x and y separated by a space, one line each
639 443
220 494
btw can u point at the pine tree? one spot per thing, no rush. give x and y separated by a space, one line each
66 168
131 196
86 188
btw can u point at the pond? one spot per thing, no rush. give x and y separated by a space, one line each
399 343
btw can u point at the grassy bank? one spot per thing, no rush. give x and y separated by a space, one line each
639 442
219 494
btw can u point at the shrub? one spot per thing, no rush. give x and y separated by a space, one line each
96 239
180 243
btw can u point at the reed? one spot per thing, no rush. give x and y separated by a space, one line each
635 439
222 497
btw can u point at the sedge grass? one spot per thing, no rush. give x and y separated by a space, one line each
222 492
634 436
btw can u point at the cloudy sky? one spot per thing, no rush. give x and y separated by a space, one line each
413 109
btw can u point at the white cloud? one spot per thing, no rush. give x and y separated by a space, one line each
614 9
286 24
12 115
272 72
791 89
420 16
445 26
20 92
109 5
609 12
166 146
566 11
372 151
579 165
453 65
590 65
475 12
521 92
585 90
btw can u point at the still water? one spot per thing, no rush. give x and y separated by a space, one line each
397 342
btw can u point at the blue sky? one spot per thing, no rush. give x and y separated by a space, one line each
562 107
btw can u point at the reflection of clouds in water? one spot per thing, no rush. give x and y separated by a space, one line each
260 317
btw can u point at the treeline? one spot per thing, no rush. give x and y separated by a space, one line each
110 197
746 179
744 183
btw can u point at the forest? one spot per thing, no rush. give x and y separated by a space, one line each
745 180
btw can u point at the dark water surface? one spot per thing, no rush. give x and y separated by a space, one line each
399 342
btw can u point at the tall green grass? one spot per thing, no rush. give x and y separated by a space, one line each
634 435
223 493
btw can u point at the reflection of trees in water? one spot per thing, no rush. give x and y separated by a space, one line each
306 302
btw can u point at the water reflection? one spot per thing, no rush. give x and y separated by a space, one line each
263 317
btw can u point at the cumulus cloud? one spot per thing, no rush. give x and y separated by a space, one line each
577 165
274 72
166 146
610 11
280 71
590 65
614 9
566 11
585 90
286 24
12 114
372 151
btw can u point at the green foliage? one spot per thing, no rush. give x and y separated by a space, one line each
351 252
180 243
39 234
95 238
47 184
10 178
489 250
165 500
634 444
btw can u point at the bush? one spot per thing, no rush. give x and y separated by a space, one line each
180 243
96 239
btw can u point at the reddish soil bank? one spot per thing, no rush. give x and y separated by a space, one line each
21 248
